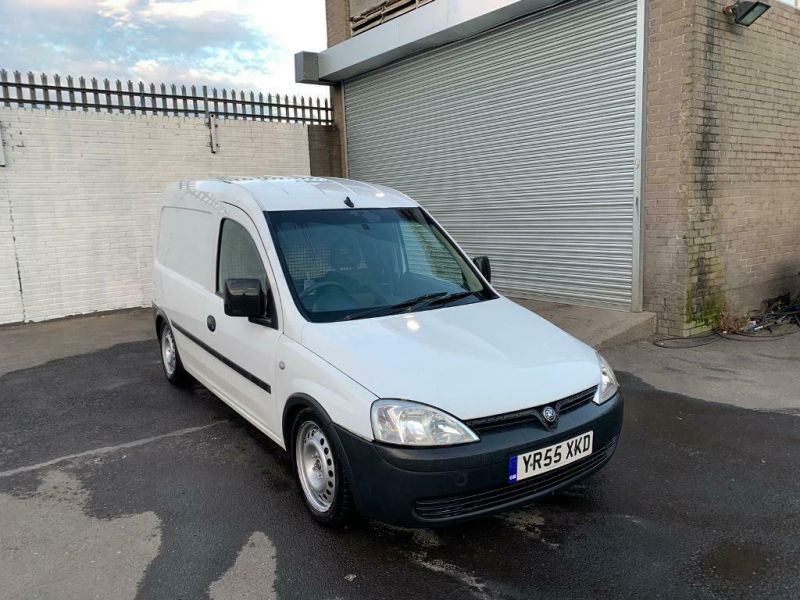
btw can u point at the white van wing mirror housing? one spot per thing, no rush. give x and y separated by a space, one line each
243 298
484 266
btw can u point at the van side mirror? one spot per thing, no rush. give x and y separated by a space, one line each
484 266
243 298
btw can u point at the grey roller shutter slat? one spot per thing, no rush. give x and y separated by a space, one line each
521 142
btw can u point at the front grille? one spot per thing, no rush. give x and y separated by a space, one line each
529 415
436 509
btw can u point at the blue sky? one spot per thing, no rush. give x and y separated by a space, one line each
241 44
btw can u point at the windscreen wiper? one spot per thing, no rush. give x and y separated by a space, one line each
406 306
450 298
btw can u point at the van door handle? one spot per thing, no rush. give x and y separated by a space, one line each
211 322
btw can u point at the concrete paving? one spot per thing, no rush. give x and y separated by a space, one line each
762 372
601 328
31 344
114 484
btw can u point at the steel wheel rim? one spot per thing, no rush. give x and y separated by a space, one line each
169 353
316 468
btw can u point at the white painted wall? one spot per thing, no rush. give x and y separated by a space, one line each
10 298
83 190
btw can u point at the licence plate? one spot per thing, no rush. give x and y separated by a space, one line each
543 460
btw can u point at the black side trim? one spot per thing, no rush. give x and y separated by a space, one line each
246 374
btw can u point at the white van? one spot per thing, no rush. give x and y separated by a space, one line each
343 322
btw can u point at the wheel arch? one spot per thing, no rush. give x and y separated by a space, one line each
159 318
293 407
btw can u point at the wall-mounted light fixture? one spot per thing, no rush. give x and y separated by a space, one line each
746 13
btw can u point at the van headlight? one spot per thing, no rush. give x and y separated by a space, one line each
412 424
608 382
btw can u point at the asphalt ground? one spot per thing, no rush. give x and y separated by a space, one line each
114 484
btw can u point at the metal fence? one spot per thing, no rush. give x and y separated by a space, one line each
150 100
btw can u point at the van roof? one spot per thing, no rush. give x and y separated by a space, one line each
304 193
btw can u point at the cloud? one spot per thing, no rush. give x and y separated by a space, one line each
119 11
241 44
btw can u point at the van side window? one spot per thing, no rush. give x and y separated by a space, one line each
238 256
186 244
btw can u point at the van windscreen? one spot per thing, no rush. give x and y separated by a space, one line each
346 264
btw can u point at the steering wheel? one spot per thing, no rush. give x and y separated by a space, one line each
322 285
351 283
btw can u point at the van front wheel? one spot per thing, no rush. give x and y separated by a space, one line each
320 472
170 359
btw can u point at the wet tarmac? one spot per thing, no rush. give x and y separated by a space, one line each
114 484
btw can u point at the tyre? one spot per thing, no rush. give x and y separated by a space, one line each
170 359
320 471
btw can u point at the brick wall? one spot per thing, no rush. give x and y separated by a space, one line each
747 161
667 160
723 162
83 190
325 151
337 18
337 15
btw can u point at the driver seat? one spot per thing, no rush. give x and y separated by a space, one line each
348 269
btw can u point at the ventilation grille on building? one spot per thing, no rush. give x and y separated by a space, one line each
385 11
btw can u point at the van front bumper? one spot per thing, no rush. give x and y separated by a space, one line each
426 487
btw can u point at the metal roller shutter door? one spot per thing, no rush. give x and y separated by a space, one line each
521 142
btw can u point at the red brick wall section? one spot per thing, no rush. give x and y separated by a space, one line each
722 226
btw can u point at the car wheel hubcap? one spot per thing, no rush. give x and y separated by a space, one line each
315 466
168 352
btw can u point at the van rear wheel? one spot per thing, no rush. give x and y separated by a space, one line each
170 359
320 472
